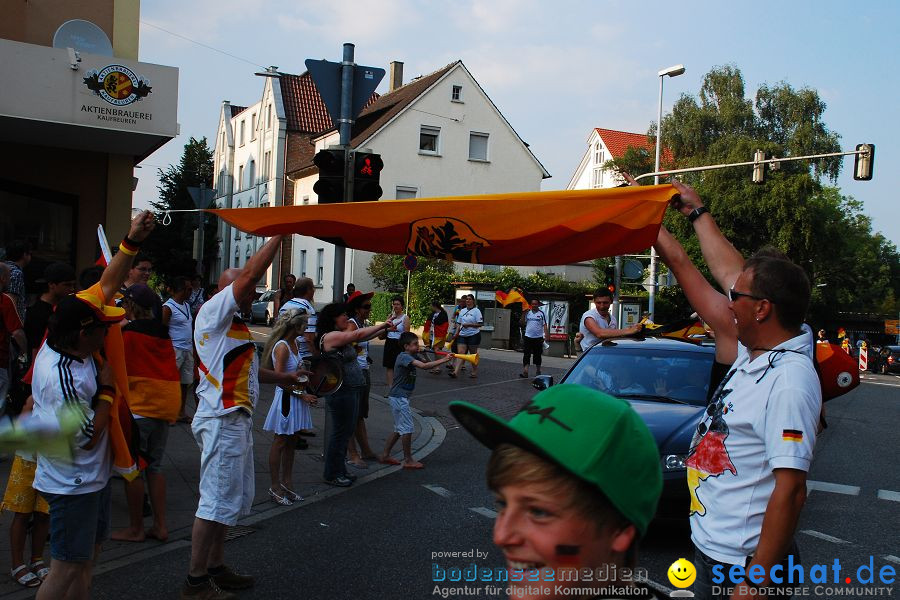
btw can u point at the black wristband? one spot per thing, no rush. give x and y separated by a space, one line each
695 214
131 242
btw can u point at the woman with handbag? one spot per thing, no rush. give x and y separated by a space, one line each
332 339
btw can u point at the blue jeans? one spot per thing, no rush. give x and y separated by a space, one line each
703 585
343 408
78 523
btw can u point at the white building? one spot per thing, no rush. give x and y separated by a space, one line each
438 135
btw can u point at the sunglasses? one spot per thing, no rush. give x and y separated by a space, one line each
734 295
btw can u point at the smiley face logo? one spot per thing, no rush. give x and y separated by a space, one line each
682 573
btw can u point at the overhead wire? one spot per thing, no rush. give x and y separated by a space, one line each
214 49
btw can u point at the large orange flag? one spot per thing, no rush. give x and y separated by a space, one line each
532 228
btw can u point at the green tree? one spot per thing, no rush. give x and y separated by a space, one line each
795 210
171 246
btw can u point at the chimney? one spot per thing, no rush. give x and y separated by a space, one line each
396 75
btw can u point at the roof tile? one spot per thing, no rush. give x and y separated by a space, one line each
617 142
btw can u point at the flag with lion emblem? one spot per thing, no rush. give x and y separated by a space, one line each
532 228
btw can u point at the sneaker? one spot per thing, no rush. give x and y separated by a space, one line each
229 580
339 481
350 476
207 590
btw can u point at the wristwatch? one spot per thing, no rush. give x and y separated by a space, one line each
695 214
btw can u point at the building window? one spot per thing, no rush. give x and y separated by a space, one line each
429 140
223 141
240 185
478 146
597 178
305 201
237 256
599 155
243 124
269 117
456 94
320 266
253 127
303 263
405 192
248 253
267 165
251 174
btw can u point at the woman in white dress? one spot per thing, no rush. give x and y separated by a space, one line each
290 411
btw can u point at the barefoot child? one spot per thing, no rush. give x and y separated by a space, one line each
404 382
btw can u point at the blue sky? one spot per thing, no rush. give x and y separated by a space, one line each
555 69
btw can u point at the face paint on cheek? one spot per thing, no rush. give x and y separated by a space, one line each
567 556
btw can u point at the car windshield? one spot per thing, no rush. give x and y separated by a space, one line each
642 373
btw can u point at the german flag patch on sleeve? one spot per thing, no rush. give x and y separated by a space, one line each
792 435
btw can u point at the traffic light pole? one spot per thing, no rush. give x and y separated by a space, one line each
344 128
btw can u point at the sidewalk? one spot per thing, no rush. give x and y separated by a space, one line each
181 467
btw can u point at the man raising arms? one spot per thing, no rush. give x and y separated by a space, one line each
227 395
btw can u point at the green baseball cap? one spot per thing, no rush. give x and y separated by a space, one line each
595 437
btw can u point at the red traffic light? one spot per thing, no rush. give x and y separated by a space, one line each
366 174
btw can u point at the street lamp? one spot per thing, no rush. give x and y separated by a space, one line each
673 71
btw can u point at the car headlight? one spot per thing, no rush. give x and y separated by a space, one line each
673 462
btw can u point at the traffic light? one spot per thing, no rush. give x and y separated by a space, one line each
611 278
862 166
759 167
366 173
330 186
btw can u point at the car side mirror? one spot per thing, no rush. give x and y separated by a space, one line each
542 382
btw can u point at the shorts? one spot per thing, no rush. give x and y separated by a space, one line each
392 350
470 341
184 359
154 434
227 480
403 422
20 497
78 523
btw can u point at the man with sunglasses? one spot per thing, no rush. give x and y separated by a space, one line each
750 454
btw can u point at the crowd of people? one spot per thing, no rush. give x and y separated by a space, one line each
765 413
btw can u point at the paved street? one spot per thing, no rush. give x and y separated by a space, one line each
377 539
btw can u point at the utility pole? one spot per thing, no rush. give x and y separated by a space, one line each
345 124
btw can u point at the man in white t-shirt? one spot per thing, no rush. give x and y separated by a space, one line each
226 397
304 291
177 317
66 374
599 324
754 445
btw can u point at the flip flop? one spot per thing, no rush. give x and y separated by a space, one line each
26 579
389 461
416 465
40 568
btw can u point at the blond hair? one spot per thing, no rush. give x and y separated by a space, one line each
287 322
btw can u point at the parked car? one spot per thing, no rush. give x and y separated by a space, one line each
666 380
885 360
263 308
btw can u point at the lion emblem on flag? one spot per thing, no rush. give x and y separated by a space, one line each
445 238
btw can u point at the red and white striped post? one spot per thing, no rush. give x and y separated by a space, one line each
863 357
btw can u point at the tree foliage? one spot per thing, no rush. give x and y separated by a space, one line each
795 210
171 246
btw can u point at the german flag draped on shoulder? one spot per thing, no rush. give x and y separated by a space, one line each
531 228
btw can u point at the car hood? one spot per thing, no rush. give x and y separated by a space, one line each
672 425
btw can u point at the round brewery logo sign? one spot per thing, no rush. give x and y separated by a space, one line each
117 84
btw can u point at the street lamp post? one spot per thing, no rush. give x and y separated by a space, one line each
673 71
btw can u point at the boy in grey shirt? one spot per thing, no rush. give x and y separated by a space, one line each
404 383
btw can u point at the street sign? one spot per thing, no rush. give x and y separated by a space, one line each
632 269
327 77
201 196
410 262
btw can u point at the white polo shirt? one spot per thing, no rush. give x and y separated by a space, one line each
302 304
764 417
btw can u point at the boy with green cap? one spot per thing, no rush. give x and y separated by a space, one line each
576 477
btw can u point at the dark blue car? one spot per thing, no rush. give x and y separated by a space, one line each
666 381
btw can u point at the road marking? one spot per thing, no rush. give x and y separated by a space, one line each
880 383
888 495
468 387
836 488
824 536
892 558
484 512
440 491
